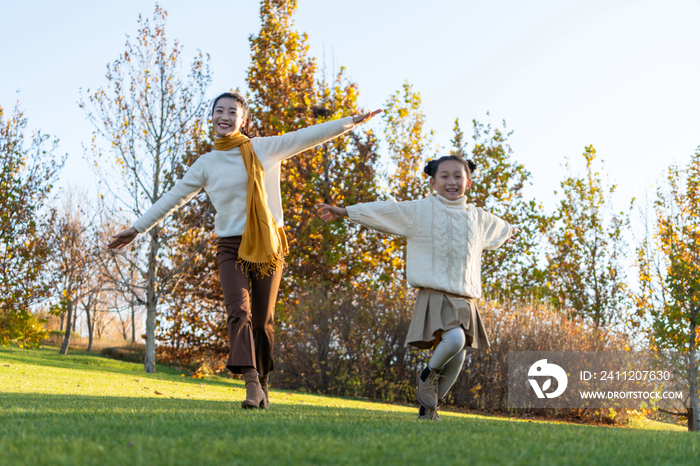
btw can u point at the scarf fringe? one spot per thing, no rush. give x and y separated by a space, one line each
262 269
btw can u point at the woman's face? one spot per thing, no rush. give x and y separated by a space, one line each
228 116
450 180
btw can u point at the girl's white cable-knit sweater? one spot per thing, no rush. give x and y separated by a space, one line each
223 176
445 239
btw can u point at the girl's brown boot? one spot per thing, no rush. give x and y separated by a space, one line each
255 396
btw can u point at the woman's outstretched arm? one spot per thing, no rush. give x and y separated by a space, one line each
184 190
123 238
357 119
282 147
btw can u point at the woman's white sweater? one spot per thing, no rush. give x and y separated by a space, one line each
445 239
223 176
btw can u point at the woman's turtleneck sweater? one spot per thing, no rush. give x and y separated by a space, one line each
445 239
223 176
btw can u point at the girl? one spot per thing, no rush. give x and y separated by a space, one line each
445 239
242 179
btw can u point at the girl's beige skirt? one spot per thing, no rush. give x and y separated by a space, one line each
437 311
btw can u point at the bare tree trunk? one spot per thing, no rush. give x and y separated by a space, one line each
149 360
133 322
694 411
75 319
66 338
63 316
89 327
124 326
691 420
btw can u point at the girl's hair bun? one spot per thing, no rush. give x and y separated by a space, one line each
430 167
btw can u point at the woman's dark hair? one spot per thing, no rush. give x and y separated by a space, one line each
247 128
431 167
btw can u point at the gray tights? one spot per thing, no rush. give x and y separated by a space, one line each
449 356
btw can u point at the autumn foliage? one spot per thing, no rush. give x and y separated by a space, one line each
28 169
344 305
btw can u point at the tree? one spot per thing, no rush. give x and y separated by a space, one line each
28 170
329 262
282 76
75 254
587 248
510 272
285 96
668 263
148 113
195 323
408 143
409 147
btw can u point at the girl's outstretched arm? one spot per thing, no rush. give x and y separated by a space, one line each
331 212
495 230
515 232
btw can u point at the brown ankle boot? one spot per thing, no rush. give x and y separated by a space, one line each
254 397
263 385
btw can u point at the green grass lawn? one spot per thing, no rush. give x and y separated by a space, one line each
86 409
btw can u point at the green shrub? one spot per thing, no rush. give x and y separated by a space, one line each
21 328
131 353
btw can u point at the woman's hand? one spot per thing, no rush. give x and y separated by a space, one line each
513 235
331 212
123 238
357 119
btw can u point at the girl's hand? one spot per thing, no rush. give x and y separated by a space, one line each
123 238
331 212
513 235
357 119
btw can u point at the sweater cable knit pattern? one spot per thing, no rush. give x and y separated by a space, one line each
445 239
441 241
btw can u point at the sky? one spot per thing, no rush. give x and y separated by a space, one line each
621 75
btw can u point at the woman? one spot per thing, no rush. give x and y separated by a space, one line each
242 179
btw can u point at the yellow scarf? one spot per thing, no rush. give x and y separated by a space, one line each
263 245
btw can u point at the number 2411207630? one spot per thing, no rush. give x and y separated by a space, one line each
635 375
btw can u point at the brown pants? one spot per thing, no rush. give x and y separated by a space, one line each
250 304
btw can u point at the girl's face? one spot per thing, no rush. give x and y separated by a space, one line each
228 116
451 180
